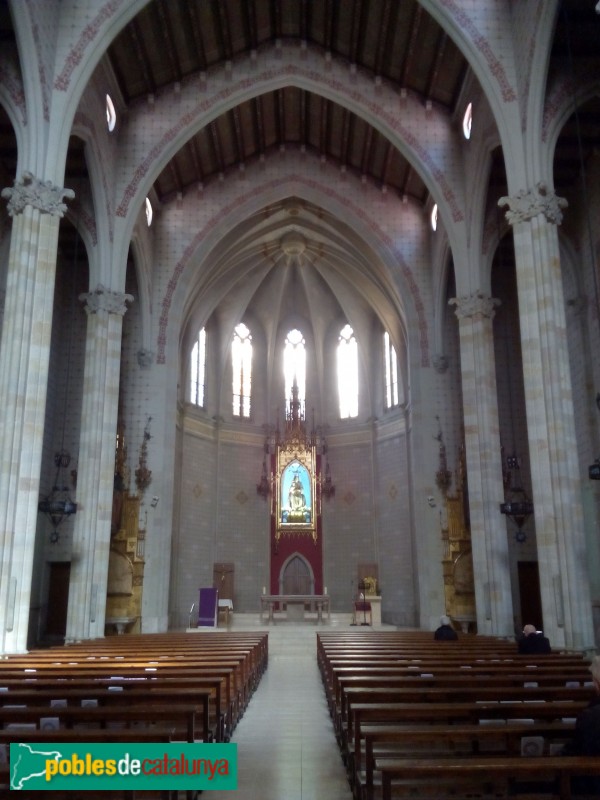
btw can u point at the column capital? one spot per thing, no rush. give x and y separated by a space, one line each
472 305
527 204
102 299
43 195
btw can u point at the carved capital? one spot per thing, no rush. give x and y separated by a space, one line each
440 363
528 204
102 299
474 305
145 358
44 196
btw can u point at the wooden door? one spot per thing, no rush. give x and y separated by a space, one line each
529 592
58 598
296 578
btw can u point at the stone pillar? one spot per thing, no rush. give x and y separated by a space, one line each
556 480
36 209
95 478
484 465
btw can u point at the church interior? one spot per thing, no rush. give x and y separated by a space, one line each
299 299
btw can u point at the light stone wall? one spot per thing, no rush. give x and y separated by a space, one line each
225 520
397 561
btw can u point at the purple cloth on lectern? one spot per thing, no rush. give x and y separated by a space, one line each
208 608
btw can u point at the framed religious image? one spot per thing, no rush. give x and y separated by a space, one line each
296 499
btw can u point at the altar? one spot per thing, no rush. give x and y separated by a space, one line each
294 606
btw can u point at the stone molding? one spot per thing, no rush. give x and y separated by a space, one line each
42 195
527 204
102 299
472 305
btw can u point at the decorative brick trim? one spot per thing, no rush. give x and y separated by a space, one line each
353 95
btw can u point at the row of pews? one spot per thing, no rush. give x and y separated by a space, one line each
421 718
135 688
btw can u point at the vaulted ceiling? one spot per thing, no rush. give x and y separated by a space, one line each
396 42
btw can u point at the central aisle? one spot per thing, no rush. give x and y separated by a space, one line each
286 745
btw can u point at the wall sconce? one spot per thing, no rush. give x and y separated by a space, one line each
154 501
327 487
263 488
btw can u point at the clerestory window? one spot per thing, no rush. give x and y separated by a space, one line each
241 358
294 364
198 369
347 373
390 372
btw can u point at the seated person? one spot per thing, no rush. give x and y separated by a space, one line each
445 632
586 738
533 641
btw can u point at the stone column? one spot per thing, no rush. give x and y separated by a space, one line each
36 209
556 480
484 465
95 478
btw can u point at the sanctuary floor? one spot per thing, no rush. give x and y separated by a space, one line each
286 745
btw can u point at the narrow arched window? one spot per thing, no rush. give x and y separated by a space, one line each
149 211
241 358
468 121
347 373
434 217
294 364
390 372
111 114
198 369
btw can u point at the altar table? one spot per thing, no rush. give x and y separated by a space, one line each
293 605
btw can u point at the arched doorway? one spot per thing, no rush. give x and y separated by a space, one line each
296 576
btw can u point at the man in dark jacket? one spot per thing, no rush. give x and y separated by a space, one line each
533 641
445 632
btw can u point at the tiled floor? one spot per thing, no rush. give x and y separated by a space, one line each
286 746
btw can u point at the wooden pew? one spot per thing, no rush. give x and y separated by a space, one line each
407 689
398 676
164 679
451 713
457 772
129 675
104 697
202 661
404 740
180 716
385 689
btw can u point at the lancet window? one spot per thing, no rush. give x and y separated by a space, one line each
347 373
241 358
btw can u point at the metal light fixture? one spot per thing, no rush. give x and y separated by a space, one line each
58 504
263 488
327 487
517 506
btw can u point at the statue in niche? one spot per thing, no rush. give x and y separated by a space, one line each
296 495
297 500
